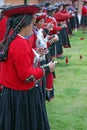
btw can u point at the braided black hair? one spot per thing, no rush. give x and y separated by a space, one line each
14 26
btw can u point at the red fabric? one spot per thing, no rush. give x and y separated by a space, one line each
49 81
19 66
84 11
2 27
42 16
2 33
61 16
55 27
48 44
68 15
64 11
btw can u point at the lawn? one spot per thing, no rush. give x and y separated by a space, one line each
68 109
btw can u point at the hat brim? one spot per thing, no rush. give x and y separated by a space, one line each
66 4
21 9
51 8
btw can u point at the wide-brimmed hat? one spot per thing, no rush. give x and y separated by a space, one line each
21 9
51 8
40 16
45 4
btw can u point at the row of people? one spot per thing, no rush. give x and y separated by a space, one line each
22 103
49 34
27 52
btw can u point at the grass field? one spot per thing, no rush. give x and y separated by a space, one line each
68 109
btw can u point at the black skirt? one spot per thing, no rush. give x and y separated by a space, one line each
23 110
65 38
56 48
84 21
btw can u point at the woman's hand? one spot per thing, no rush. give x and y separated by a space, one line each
51 66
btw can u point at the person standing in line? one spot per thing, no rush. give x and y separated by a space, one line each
22 103
84 16
3 21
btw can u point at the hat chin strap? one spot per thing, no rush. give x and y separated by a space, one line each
20 22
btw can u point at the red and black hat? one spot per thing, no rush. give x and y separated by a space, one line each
45 4
40 16
21 9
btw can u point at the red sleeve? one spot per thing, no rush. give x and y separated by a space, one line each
84 11
64 11
2 28
23 59
61 17
55 27
59 28
48 44
48 20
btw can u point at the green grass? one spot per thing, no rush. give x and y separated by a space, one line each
68 109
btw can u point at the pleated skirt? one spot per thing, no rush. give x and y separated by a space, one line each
23 110
65 38
83 21
56 48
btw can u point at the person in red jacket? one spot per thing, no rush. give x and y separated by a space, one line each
22 104
84 16
61 19
3 21
56 49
